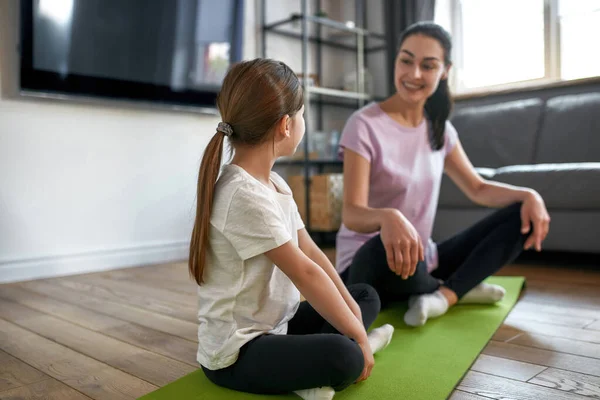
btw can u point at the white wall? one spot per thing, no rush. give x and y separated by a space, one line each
91 187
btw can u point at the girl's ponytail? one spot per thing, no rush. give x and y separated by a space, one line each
438 108
207 177
248 120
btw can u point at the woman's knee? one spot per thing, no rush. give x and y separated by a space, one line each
363 292
345 361
514 210
370 250
369 263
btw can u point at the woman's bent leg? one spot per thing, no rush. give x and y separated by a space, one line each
370 266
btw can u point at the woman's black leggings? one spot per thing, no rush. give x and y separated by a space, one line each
464 260
312 354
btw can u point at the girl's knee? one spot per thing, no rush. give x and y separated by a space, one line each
345 360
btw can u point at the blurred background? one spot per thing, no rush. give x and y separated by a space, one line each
106 107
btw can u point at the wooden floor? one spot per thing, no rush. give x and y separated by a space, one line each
121 334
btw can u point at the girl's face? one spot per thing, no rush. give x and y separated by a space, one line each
419 68
295 128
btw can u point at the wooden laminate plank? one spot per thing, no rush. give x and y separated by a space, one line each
185 329
572 382
149 366
585 335
546 358
549 309
85 374
595 326
560 345
143 337
141 289
495 387
553 319
15 373
145 302
48 389
460 395
506 368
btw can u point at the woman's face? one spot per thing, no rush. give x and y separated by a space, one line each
419 68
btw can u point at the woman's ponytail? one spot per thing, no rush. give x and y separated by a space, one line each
438 108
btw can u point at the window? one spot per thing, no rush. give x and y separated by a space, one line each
579 33
501 43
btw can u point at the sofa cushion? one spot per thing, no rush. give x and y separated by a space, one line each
500 134
452 197
570 130
568 186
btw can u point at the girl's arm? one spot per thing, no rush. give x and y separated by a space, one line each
495 194
320 291
318 288
312 251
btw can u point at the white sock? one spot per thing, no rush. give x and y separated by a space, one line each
322 393
425 306
484 293
380 337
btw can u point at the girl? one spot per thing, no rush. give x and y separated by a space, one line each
394 155
252 257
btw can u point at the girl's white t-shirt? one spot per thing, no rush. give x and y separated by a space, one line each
244 294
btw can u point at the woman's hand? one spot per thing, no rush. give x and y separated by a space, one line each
402 243
533 211
369 360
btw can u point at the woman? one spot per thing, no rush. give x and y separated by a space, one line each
394 155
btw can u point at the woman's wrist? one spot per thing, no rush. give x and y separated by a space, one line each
384 214
527 194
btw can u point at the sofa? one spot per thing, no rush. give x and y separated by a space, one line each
552 146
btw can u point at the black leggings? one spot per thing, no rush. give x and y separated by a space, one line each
312 354
464 260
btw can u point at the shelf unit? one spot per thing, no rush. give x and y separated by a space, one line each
316 97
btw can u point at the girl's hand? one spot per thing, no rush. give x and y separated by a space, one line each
533 211
369 360
402 243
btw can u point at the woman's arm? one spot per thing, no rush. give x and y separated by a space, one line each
495 194
312 251
356 213
402 243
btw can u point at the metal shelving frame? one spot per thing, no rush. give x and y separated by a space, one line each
315 96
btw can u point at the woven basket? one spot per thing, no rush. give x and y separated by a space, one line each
326 193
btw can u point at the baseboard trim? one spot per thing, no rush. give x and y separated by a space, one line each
17 270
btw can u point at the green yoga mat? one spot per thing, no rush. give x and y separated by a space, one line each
420 363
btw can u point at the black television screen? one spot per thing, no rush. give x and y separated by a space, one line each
172 52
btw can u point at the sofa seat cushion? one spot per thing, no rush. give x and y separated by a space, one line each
567 186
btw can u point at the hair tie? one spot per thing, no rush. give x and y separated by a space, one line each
225 129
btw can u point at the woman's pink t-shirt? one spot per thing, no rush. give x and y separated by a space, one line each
405 174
